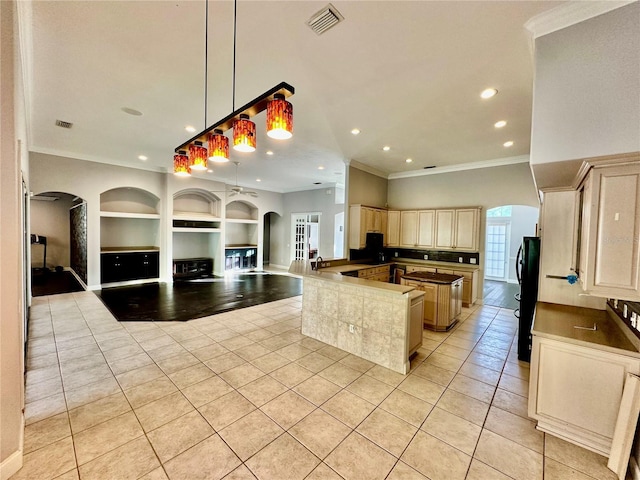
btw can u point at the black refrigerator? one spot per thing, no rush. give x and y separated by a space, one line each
527 270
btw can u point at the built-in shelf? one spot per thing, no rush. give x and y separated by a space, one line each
241 220
238 247
195 216
151 216
144 248
196 230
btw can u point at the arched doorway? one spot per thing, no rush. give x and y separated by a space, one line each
58 225
506 225
272 224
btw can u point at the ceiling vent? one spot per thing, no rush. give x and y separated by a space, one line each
323 20
63 124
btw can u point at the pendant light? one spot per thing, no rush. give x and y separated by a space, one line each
244 134
197 156
181 164
279 118
218 147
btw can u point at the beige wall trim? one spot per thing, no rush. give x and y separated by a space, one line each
11 465
368 169
496 162
569 14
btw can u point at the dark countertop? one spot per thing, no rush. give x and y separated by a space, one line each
430 277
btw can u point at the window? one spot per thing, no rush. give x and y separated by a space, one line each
504 211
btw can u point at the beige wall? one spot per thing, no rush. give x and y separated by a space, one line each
484 187
51 219
587 79
367 189
11 251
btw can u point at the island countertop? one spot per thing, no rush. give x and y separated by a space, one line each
333 274
431 277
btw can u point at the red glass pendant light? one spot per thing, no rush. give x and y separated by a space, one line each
218 147
181 164
244 134
279 118
197 156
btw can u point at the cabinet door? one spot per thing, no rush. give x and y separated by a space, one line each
356 227
114 267
613 226
371 219
383 226
416 315
466 229
430 305
456 299
426 228
445 224
393 228
408 228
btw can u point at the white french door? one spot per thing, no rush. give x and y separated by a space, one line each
497 249
305 235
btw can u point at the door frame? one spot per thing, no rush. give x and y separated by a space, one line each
506 221
292 237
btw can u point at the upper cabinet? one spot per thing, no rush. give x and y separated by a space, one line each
458 229
392 238
363 220
417 228
609 234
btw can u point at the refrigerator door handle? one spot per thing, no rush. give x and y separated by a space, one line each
516 313
519 265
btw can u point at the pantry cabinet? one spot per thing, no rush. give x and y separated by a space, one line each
609 240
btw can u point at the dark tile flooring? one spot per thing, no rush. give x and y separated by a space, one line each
186 300
500 294
53 283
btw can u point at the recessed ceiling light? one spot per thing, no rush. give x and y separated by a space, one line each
488 93
209 171
258 180
408 160
386 148
355 131
190 128
508 144
500 124
131 111
143 157
320 167
269 152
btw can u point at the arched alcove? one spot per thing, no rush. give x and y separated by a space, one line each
272 227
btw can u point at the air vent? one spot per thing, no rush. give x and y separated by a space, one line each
63 124
323 20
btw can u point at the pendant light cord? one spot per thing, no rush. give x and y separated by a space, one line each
206 58
235 21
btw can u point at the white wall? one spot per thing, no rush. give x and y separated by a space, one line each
51 219
587 79
523 224
320 200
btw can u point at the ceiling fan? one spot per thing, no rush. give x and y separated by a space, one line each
237 189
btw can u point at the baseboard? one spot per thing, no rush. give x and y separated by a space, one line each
11 465
634 468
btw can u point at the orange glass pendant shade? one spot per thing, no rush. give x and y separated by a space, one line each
197 156
181 164
279 118
244 134
218 147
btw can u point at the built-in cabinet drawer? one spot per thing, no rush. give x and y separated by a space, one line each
120 267
379 274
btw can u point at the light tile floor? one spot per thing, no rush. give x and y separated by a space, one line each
245 395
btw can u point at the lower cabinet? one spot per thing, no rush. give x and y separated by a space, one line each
379 274
120 267
575 391
469 284
416 312
192 268
442 303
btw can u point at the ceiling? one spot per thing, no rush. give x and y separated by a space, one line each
407 74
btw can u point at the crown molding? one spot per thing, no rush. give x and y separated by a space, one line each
569 14
497 162
368 169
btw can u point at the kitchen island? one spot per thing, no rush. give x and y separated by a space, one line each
442 297
380 322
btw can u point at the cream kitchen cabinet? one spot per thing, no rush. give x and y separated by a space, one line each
392 239
469 294
442 298
457 229
578 374
363 220
417 228
609 245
